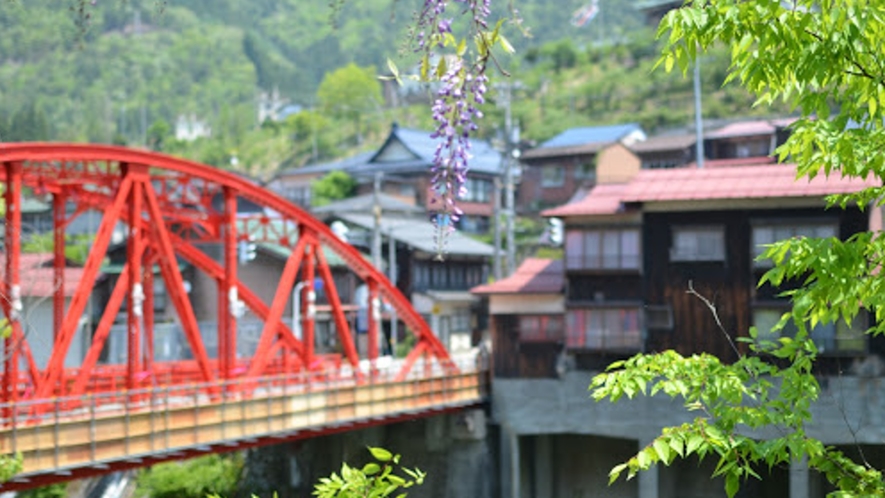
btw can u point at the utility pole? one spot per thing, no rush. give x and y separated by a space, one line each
376 231
392 274
698 119
511 137
496 197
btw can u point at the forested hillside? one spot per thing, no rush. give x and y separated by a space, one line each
123 70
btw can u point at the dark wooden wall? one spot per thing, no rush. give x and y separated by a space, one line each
514 359
730 285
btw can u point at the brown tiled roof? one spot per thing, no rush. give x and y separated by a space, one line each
603 199
741 182
568 150
743 129
664 143
534 276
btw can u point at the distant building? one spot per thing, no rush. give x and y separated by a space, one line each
404 161
37 277
189 128
574 160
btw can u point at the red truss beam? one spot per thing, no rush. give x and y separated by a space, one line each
169 202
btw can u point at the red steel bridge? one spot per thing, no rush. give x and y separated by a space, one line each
71 422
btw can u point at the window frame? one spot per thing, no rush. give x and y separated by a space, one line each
757 248
622 262
684 257
550 328
579 322
558 181
817 335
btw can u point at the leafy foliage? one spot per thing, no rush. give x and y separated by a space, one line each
57 490
10 465
823 59
196 478
335 185
374 480
350 92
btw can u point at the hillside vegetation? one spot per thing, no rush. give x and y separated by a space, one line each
122 71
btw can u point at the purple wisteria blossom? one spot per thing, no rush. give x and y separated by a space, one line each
463 84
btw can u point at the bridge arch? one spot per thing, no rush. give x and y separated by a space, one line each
170 207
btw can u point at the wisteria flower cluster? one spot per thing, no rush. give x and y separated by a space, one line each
463 80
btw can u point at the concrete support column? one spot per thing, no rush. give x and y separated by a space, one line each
800 486
510 471
648 479
543 466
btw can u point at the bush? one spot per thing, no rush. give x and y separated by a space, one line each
197 478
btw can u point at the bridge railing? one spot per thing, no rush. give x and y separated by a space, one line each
103 428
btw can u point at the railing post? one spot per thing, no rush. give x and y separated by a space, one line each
153 424
126 430
242 407
92 431
14 421
56 432
166 419
196 414
269 405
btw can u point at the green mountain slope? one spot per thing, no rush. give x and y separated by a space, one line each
120 65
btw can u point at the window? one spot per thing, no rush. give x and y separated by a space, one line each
830 338
608 249
461 321
585 171
604 329
300 195
698 244
765 234
552 176
478 190
540 328
661 164
473 224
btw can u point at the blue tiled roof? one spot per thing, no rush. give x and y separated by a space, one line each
346 164
485 159
591 134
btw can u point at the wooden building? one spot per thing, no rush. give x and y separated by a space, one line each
404 162
634 255
578 158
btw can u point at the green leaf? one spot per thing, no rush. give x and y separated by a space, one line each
371 468
380 454
505 44
694 442
732 483
663 450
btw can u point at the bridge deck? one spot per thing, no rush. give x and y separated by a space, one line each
87 436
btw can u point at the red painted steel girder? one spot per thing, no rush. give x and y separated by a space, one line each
168 204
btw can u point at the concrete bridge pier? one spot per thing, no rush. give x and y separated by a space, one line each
453 449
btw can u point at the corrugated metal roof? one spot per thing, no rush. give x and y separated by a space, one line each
664 143
421 235
742 129
366 202
602 199
534 276
37 276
